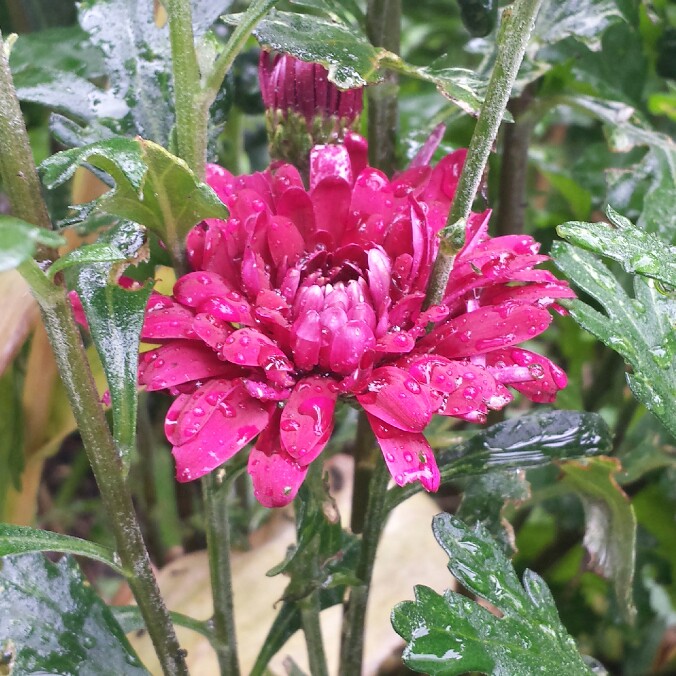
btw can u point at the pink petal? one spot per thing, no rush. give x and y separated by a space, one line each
276 476
260 389
357 148
166 319
196 287
487 329
306 340
296 205
395 397
545 378
248 347
407 454
307 418
285 241
211 330
397 342
237 420
178 362
329 161
350 342
331 202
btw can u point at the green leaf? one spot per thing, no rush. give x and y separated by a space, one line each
450 634
484 499
152 186
610 535
636 250
99 252
640 329
584 20
528 441
115 318
19 240
22 539
130 619
52 622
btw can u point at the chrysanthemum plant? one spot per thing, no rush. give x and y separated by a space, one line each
341 300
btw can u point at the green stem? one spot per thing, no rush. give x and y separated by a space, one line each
191 121
71 360
354 617
218 545
309 617
517 24
19 175
383 25
366 453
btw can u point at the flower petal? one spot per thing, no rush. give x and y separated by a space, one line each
228 430
166 319
307 418
180 361
407 455
350 342
395 397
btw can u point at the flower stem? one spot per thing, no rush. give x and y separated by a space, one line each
218 545
309 617
383 25
516 27
354 617
75 373
19 175
191 120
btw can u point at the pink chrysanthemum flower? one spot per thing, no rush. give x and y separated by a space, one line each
305 296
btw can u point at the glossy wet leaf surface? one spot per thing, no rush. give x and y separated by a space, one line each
529 441
640 329
610 536
450 634
635 249
19 240
52 622
22 539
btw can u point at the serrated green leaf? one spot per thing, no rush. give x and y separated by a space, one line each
450 634
528 441
636 250
584 20
99 252
484 499
22 540
52 621
19 240
640 329
610 535
115 317
152 186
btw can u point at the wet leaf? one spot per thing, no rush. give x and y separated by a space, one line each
610 534
640 329
19 240
115 318
52 621
637 251
584 20
22 539
130 619
100 252
152 186
450 634
484 499
529 441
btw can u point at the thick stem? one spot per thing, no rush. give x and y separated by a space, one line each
191 121
73 366
354 616
366 453
218 545
517 24
383 25
21 183
514 165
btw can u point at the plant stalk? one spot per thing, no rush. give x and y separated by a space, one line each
19 175
516 27
354 614
218 545
75 373
383 26
191 121
309 617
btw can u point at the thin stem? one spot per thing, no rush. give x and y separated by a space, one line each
191 121
309 617
383 25
20 181
354 616
366 455
517 24
218 545
73 366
